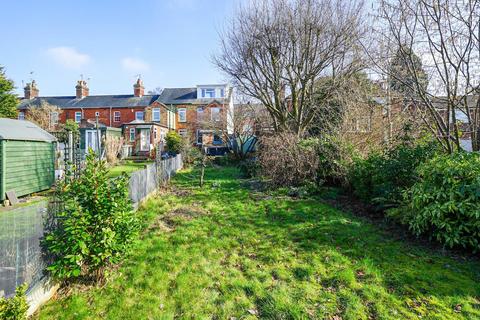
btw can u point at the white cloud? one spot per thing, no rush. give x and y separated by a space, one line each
69 57
135 65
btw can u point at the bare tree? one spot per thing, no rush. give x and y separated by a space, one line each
445 35
278 48
45 116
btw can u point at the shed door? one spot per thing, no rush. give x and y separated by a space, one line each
91 140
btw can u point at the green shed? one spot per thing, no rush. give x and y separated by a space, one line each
27 158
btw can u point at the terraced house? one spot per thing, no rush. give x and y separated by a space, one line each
144 119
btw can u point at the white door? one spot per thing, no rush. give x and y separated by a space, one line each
145 140
91 141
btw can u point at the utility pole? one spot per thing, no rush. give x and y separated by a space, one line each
98 139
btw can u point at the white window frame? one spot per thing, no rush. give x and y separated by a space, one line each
155 111
180 112
217 113
78 116
21 115
222 92
116 116
210 91
54 117
137 113
131 134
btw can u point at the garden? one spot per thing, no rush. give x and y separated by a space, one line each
234 250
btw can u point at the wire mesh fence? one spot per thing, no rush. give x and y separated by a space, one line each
144 182
21 258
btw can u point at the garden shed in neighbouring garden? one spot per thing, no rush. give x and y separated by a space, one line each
88 135
27 158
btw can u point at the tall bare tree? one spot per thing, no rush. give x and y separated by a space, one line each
278 48
446 36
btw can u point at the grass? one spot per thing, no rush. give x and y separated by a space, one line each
226 252
127 167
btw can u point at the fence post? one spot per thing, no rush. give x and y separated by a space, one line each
70 146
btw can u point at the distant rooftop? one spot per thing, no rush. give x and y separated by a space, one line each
168 96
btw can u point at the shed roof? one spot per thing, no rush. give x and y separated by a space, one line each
11 129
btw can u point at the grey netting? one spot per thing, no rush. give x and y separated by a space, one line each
21 260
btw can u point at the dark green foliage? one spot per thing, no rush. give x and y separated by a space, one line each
14 308
382 177
407 76
72 126
249 167
174 142
333 161
445 202
8 100
95 227
69 126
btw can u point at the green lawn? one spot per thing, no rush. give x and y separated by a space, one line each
127 167
226 252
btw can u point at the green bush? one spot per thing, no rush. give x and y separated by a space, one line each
96 225
190 154
382 177
174 142
14 308
249 167
334 158
445 201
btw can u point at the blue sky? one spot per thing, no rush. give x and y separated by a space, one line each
168 42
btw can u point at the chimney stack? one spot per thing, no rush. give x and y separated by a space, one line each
31 90
82 89
138 88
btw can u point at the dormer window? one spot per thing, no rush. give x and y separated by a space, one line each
208 93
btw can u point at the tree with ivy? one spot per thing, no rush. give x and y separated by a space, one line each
8 100
407 76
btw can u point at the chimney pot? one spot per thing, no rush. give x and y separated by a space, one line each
31 90
81 89
138 88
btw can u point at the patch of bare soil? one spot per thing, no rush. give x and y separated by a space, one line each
353 205
169 221
179 192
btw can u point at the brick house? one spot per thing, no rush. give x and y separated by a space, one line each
144 119
202 112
